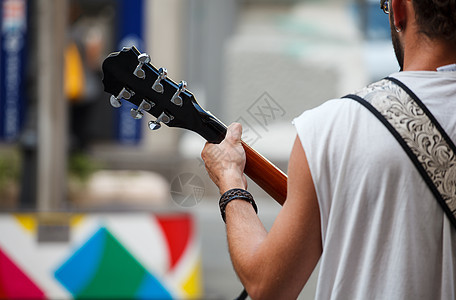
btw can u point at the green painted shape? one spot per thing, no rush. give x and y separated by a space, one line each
119 274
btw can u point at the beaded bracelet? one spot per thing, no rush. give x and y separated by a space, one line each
234 194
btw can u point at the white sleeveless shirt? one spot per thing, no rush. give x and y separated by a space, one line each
384 235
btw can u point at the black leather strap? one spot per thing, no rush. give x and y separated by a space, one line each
234 194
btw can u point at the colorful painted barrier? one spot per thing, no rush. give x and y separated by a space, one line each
123 256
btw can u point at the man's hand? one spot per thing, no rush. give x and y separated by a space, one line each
225 162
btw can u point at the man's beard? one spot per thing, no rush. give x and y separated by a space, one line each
398 48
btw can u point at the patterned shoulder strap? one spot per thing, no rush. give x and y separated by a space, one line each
420 135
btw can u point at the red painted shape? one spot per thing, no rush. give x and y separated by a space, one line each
178 230
14 283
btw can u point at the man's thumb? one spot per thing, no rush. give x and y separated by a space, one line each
234 133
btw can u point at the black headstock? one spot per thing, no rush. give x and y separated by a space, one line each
128 75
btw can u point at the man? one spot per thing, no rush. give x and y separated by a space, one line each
355 200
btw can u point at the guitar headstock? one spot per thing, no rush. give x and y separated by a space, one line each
129 75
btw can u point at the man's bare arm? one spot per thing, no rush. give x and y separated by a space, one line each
278 263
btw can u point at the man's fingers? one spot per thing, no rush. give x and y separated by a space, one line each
205 150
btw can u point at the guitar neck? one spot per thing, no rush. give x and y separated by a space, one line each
264 173
258 168
270 178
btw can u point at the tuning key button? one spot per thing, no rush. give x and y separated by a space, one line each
115 102
143 59
138 113
157 86
124 94
177 99
154 125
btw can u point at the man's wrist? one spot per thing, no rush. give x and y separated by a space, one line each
235 194
230 187
232 180
232 184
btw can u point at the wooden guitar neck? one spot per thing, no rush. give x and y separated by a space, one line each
270 178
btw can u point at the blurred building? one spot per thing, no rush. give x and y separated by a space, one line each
257 62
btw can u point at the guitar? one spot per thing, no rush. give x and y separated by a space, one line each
129 75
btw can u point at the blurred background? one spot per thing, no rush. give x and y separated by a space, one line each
93 203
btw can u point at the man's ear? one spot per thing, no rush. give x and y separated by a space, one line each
399 13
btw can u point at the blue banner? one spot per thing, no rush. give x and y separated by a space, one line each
12 67
130 33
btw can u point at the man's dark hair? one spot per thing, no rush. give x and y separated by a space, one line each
436 18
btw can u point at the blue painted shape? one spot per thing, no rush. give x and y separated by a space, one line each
13 54
151 288
130 29
82 266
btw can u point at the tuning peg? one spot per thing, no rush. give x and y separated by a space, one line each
177 99
138 113
124 94
115 102
154 125
143 58
157 86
